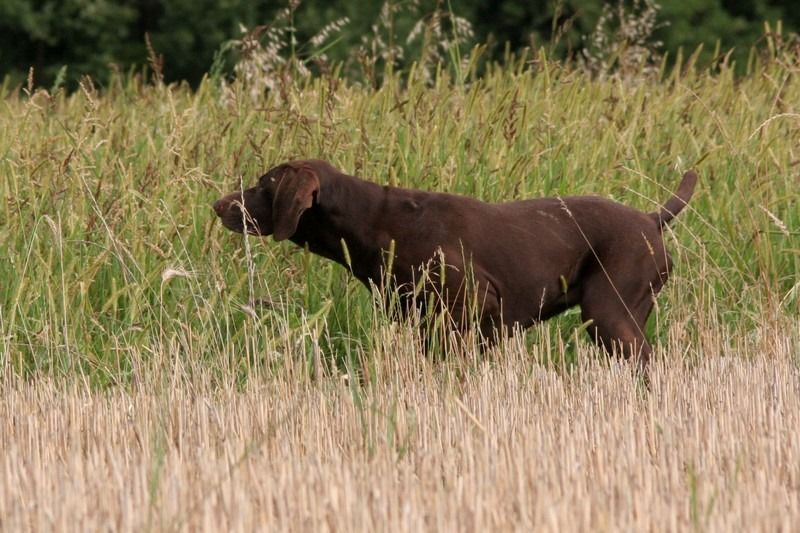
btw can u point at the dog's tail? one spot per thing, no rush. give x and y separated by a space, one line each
679 199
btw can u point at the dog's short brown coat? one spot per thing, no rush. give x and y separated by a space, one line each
526 260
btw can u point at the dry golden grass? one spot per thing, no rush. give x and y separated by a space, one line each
473 444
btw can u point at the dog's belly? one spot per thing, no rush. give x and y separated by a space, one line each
538 284
531 303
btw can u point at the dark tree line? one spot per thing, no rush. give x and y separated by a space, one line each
90 35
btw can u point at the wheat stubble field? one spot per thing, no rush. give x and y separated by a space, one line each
160 373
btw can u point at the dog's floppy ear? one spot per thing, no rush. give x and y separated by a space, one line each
294 195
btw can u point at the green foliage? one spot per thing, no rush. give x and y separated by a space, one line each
188 32
87 35
90 35
110 250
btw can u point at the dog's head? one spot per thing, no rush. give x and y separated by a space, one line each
274 205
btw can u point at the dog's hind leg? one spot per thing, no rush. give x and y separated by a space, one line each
618 315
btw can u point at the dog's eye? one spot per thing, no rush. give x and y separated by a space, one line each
267 182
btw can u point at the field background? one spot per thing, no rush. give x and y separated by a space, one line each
159 372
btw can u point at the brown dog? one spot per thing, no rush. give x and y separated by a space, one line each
524 261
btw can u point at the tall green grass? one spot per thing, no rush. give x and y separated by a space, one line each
110 254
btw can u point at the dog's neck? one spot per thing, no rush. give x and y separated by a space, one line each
347 209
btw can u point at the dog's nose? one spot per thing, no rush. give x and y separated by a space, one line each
219 207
